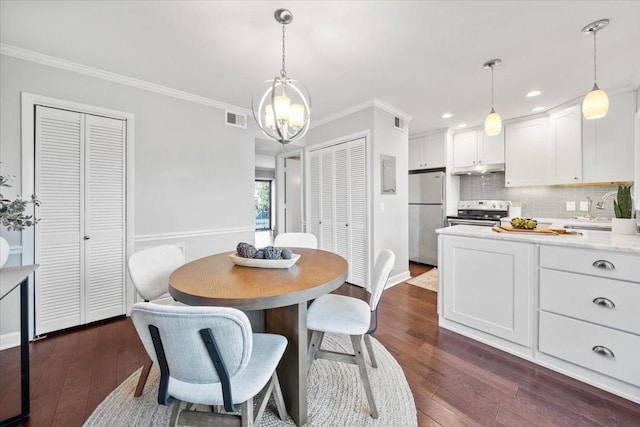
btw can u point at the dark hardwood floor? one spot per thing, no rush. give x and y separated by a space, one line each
455 381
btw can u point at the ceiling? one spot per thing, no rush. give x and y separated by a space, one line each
422 57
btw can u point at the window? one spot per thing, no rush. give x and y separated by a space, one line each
263 204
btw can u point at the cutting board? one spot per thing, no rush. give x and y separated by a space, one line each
538 230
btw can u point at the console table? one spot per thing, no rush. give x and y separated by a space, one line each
12 278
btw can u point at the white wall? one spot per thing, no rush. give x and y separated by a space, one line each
193 175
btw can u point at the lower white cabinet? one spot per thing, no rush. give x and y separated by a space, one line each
487 286
572 309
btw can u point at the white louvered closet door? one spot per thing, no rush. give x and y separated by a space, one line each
338 196
314 196
80 241
358 255
326 201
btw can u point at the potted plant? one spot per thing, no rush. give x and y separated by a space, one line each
623 223
12 216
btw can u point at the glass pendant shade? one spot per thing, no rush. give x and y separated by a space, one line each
296 115
595 104
493 123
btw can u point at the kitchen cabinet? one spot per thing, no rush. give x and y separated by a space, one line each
488 286
588 311
565 146
526 152
427 151
576 297
608 142
475 148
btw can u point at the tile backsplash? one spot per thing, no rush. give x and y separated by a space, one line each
542 201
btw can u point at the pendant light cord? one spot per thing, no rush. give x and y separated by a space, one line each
283 72
595 80
492 87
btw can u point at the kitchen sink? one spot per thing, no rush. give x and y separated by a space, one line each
588 227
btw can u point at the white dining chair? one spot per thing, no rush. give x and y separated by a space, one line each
149 270
339 314
209 356
296 240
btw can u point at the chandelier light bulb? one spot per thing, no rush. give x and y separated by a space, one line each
269 118
281 107
296 115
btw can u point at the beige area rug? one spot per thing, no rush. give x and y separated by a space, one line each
428 280
336 396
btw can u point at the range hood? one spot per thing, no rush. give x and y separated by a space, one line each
479 169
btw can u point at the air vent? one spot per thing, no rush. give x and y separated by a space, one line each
235 119
400 124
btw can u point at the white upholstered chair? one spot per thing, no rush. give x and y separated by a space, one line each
341 314
149 270
209 356
296 240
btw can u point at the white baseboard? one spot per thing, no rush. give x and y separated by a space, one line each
398 278
12 339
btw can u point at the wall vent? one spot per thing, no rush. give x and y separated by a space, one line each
235 119
400 124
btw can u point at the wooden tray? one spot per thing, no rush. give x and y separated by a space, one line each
264 263
538 230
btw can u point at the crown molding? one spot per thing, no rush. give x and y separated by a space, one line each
29 55
375 102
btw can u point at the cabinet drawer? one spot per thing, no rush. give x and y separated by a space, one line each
613 265
603 301
577 342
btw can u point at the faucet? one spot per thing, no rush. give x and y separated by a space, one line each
600 204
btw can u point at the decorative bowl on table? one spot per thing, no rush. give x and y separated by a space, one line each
268 257
264 263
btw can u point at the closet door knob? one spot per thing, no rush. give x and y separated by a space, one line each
87 237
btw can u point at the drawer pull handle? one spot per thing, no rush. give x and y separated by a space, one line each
604 302
604 351
601 263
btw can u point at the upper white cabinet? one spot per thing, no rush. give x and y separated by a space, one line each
565 146
475 148
428 151
608 142
526 153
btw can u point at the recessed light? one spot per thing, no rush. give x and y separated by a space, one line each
462 125
533 93
537 109
447 115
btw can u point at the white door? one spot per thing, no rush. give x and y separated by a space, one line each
315 196
358 254
80 241
292 195
327 199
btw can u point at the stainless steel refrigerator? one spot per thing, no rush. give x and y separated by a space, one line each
426 214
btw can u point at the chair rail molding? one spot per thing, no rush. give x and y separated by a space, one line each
190 234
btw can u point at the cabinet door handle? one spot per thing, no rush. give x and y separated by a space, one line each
604 264
604 351
604 302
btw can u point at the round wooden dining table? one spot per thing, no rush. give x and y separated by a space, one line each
275 299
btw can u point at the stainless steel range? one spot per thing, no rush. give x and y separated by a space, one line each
484 213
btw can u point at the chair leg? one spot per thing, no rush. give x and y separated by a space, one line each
356 341
372 356
146 368
178 406
277 396
314 345
246 413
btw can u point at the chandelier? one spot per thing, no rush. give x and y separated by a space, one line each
283 110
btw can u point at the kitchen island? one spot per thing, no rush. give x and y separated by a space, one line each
567 302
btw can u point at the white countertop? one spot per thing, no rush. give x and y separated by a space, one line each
588 239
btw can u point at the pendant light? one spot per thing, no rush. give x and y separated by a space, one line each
493 122
283 110
596 102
